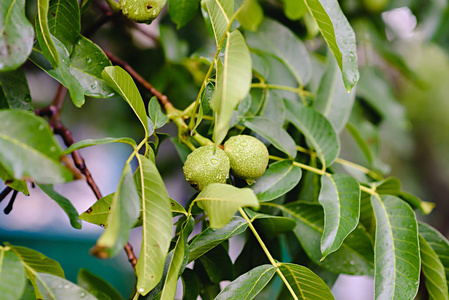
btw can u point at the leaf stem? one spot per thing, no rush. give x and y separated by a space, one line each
209 71
302 166
267 252
263 85
173 114
297 90
342 161
367 171
371 191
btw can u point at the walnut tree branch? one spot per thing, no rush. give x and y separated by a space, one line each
137 77
52 112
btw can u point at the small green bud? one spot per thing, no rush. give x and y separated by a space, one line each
206 165
142 11
248 157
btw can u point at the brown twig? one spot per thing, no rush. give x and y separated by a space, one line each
161 97
52 112
130 253
58 100
66 136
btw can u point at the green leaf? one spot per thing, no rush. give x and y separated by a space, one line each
270 226
157 225
99 212
81 72
182 11
191 285
310 184
209 238
332 99
124 213
87 62
16 34
367 217
433 271
53 287
12 276
361 140
280 75
64 21
28 149
94 284
378 93
62 72
260 65
217 264
35 263
176 208
340 198
339 36
180 254
318 131
389 186
392 186
274 108
175 50
278 40
220 13
18 185
232 84
182 149
155 112
278 179
272 132
28 293
438 243
16 93
305 283
248 285
94 142
221 201
354 257
85 4
294 9
45 39
64 203
424 207
396 249
250 14
123 84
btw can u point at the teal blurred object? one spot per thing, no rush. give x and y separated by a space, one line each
73 254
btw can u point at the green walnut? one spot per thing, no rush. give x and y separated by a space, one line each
248 157
206 165
141 11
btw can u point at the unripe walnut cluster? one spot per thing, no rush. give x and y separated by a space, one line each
141 11
248 157
206 165
244 155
